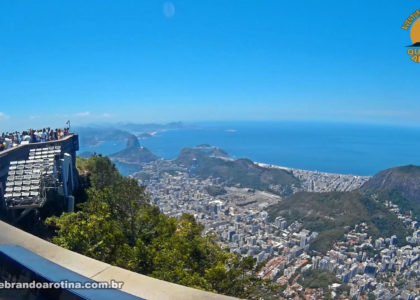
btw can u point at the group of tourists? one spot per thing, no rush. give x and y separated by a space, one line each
12 139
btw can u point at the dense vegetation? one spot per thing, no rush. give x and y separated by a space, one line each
241 172
405 205
332 213
117 225
318 279
404 180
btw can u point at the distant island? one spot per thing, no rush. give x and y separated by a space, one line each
91 136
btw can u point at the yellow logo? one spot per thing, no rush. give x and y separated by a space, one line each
413 23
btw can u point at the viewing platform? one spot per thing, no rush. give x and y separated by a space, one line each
31 171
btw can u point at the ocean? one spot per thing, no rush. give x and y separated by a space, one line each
327 147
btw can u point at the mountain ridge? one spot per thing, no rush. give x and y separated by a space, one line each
207 161
330 213
134 153
405 179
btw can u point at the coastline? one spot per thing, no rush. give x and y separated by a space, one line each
316 181
265 165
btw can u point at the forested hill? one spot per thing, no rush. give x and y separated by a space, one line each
405 179
205 161
332 213
401 185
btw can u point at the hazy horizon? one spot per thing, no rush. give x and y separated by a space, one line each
205 123
159 61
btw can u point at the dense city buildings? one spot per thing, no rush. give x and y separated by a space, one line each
362 265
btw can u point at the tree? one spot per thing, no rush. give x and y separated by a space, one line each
92 234
118 225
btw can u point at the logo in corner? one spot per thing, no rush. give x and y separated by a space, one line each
413 24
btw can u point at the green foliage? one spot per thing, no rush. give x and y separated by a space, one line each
241 172
94 235
318 279
330 213
327 238
81 164
102 172
118 225
405 205
402 184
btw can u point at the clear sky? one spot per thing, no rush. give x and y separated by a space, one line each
144 61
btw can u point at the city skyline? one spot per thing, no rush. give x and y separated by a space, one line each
162 61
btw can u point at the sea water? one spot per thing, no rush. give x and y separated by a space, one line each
338 148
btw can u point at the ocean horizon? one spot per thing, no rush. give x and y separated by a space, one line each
357 149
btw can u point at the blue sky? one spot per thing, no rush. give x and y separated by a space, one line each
157 61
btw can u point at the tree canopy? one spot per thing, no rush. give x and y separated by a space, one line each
118 225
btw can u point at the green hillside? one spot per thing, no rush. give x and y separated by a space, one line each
401 185
242 172
330 213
